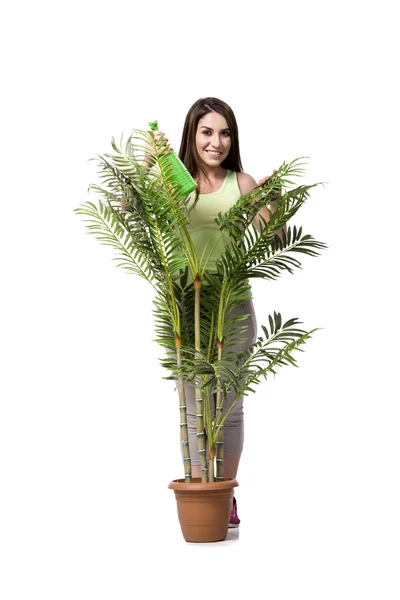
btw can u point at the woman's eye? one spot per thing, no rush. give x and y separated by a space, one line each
224 133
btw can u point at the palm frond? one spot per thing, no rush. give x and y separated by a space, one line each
101 223
240 371
275 349
260 255
146 205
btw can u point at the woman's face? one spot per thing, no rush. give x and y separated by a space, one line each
213 140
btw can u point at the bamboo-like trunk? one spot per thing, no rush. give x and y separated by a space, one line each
201 442
187 465
219 443
211 458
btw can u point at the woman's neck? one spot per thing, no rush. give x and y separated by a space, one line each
214 175
214 182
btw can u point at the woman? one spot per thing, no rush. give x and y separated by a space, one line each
210 151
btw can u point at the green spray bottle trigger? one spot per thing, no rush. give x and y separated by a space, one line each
180 176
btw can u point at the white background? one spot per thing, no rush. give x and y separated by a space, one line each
89 429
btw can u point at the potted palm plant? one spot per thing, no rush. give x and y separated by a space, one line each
142 214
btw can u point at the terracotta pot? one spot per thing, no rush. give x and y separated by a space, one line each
204 508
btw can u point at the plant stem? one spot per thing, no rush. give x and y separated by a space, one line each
218 429
220 436
183 416
211 458
201 442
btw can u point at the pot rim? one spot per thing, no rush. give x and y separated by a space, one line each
197 485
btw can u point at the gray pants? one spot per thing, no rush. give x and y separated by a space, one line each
233 426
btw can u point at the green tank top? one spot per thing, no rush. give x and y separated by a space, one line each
202 225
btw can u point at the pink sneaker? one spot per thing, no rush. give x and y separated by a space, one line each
234 520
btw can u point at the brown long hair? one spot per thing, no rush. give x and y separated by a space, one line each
188 153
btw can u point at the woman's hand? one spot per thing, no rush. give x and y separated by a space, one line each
264 179
265 212
160 139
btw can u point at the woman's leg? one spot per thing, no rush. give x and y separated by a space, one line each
231 466
234 424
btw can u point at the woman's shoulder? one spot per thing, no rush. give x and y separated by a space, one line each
246 182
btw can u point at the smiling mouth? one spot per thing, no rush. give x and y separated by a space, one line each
214 153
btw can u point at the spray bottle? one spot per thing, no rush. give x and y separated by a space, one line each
180 175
